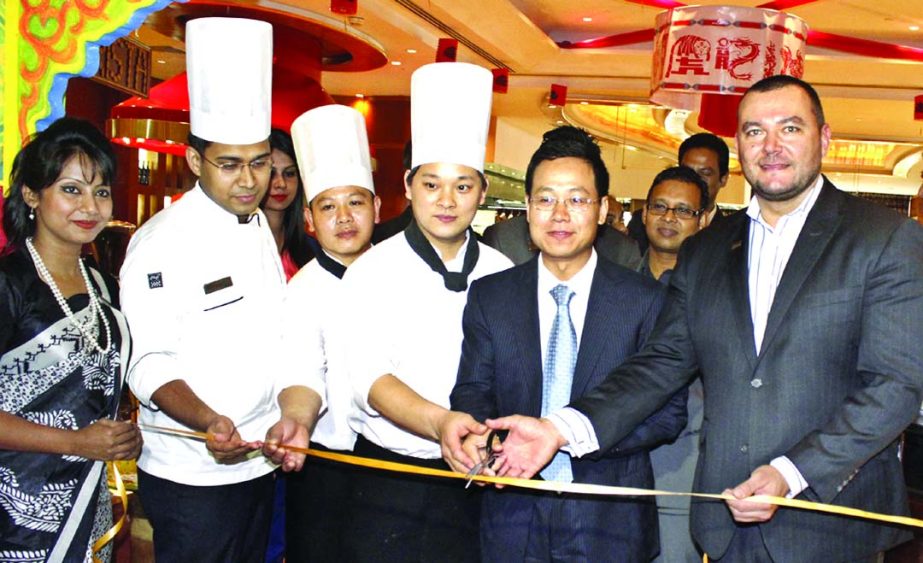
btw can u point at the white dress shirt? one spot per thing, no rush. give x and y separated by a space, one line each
203 295
315 305
411 328
769 251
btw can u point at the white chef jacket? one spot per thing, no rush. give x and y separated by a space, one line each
315 305
203 296
411 328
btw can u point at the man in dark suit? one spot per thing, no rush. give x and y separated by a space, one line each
511 237
511 362
804 315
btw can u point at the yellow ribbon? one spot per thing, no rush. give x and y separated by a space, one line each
117 527
558 487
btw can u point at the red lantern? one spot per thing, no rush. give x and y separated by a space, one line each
447 51
345 7
705 53
501 80
558 95
918 108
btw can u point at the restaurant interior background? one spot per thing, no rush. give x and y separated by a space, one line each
865 59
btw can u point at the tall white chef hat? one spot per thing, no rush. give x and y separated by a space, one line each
450 113
229 67
332 149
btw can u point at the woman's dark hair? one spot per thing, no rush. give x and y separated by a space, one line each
40 162
294 238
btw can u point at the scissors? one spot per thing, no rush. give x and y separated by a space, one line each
489 459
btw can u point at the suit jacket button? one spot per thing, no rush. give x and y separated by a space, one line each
744 448
756 383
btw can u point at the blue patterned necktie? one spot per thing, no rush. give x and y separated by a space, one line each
559 375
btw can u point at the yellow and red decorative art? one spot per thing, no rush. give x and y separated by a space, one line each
45 43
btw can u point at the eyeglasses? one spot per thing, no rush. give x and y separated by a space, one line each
234 169
679 212
578 204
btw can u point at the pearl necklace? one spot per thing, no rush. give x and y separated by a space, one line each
90 328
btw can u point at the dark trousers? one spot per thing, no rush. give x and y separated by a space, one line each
224 523
316 509
539 527
747 545
395 517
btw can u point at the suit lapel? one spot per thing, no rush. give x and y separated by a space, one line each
595 331
523 298
822 222
740 288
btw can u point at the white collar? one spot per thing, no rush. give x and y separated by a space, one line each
753 209
579 283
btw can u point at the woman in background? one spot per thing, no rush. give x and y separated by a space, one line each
284 208
284 205
63 344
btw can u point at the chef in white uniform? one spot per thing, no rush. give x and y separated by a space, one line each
410 291
332 149
202 288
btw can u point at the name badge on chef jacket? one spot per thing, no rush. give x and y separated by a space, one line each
213 287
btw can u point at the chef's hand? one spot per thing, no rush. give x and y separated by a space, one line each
225 443
286 432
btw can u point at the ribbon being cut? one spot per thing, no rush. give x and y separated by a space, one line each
559 487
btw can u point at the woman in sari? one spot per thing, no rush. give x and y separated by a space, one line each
63 344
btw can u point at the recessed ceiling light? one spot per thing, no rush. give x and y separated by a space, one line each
587 19
584 103
161 61
411 51
360 96
914 28
396 63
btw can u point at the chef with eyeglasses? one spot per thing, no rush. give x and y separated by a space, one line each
202 288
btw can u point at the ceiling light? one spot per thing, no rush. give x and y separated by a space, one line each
395 63
587 19
914 28
584 103
360 96
161 61
411 51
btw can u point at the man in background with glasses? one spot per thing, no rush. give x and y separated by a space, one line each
202 287
547 331
674 211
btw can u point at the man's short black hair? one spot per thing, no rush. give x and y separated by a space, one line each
407 155
569 141
681 174
780 81
710 142
197 143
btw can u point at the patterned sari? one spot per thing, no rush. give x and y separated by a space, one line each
54 507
